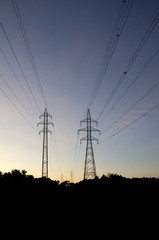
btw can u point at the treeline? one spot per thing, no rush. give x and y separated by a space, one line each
17 177
106 183
111 191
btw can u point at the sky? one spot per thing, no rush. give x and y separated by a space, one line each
68 41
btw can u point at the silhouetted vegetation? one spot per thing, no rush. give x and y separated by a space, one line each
109 193
107 186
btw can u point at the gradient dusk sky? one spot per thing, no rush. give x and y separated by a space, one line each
68 41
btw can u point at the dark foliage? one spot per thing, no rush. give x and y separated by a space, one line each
110 198
110 186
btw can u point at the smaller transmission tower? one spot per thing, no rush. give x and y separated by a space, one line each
45 132
89 168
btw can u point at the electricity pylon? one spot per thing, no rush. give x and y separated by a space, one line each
45 132
89 168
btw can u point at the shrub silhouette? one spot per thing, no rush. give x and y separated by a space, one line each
110 186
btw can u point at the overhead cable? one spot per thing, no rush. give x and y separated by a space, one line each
131 84
15 95
16 78
15 106
132 60
116 33
132 106
131 123
16 58
28 48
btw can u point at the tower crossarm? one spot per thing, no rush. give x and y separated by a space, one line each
50 123
95 130
82 129
86 138
40 123
83 121
91 120
48 131
94 121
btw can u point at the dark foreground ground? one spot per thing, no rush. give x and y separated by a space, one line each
109 207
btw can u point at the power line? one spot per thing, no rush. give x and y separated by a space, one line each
77 158
131 84
75 154
14 94
132 60
117 30
89 168
131 123
27 83
15 106
130 108
28 48
29 51
56 152
17 79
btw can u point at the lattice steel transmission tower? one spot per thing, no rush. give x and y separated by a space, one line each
89 167
45 132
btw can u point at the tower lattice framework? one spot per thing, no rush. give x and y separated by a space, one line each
45 122
89 167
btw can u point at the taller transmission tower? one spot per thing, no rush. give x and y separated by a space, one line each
45 132
89 168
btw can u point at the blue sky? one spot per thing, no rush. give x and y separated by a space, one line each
68 40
